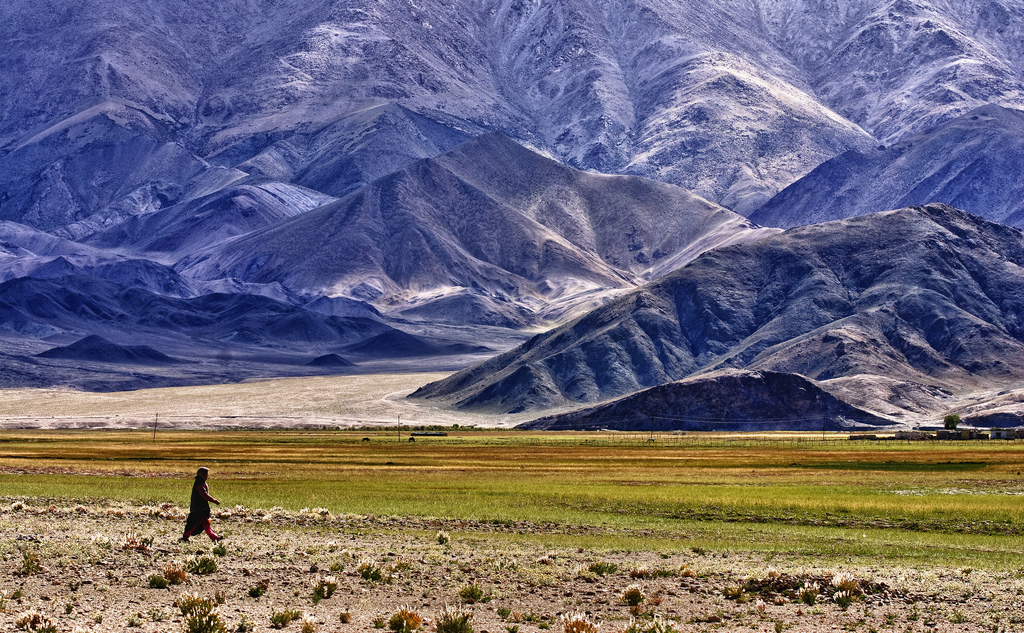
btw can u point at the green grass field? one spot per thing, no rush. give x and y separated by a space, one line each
955 503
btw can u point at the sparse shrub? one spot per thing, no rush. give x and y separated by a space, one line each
601 568
577 622
34 621
204 621
404 621
324 587
133 542
201 565
471 594
632 596
188 602
504 612
370 571
443 537
307 624
258 589
174 574
641 572
134 621
345 617
843 599
808 594
686 572
733 592
30 562
245 625
453 619
844 581
281 619
158 582
655 625
220 549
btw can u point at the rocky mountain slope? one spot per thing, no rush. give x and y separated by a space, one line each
434 165
973 162
116 107
726 400
928 296
522 231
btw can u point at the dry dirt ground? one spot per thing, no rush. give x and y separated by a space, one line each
88 568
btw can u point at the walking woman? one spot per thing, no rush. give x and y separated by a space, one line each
199 508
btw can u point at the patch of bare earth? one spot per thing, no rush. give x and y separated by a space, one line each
92 568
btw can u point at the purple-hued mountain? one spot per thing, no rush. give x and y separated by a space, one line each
325 175
926 301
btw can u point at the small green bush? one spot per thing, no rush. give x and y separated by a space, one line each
158 582
203 622
371 572
632 596
602 568
220 550
30 562
192 602
201 565
258 589
281 619
324 587
471 594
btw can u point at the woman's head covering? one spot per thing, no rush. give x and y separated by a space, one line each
202 472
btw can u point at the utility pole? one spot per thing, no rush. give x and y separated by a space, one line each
156 419
399 427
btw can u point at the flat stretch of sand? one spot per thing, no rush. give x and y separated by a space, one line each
341 401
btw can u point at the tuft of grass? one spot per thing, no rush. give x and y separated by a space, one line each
632 596
158 582
220 549
281 619
31 563
578 622
245 625
808 594
453 619
189 602
405 621
602 568
471 594
201 565
372 572
655 625
34 621
175 574
442 537
323 588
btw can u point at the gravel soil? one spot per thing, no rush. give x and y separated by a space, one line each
90 568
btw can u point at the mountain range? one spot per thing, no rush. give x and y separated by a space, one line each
433 182
927 300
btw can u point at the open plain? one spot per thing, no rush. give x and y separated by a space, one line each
705 532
